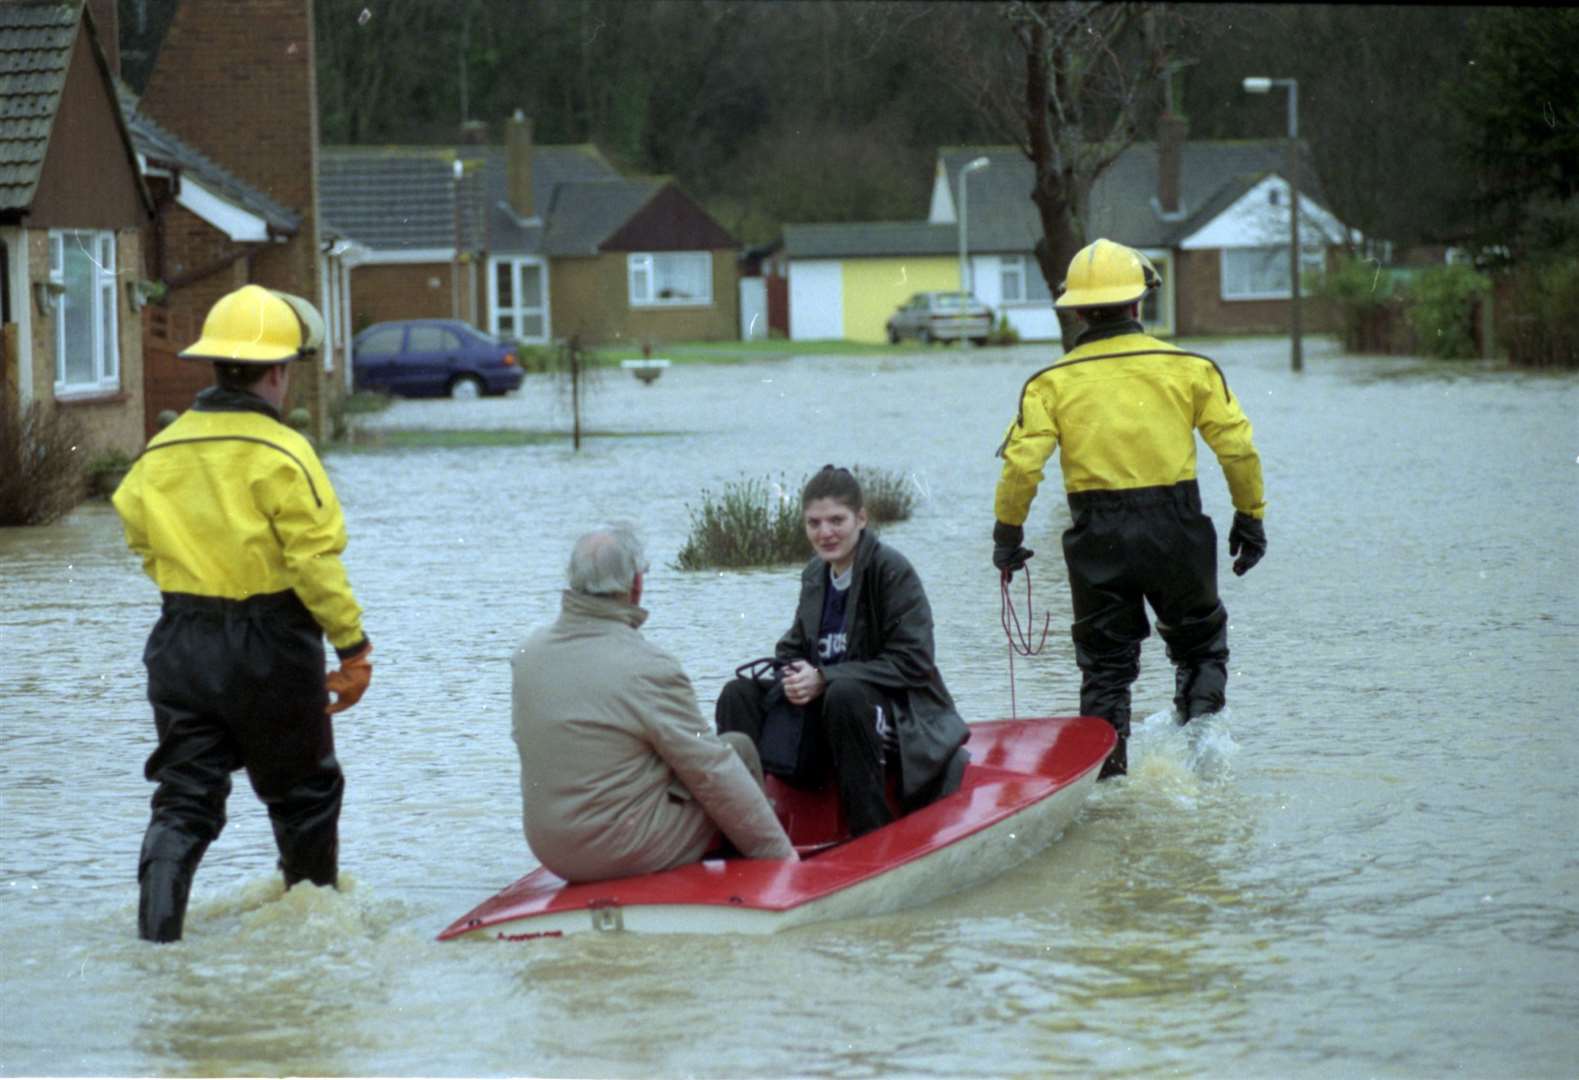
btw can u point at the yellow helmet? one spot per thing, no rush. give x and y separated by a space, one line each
254 325
1105 274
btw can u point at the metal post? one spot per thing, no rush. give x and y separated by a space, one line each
1296 344
1260 84
455 263
964 205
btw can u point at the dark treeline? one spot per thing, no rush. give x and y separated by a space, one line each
823 110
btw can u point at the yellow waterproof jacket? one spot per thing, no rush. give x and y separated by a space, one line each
229 502
1123 409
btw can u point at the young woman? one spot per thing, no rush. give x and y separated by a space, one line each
858 668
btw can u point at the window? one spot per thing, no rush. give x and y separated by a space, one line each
382 342
1151 308
1022 281
670 278
82 279
519 307
429 339
1261 273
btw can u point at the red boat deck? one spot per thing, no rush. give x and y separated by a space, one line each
1015 765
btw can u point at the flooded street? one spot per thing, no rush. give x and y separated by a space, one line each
1366 867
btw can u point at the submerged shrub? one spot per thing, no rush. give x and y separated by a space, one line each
1441 309
752 523
1541 328
889 495
1365 295
758 522
41 465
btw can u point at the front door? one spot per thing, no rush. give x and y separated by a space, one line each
518 299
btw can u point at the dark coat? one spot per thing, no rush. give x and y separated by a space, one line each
889 645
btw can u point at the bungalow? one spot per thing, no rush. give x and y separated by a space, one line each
1211 215
71 206
534 242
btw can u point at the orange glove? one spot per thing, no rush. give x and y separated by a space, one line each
349 683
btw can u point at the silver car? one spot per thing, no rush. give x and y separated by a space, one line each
941 316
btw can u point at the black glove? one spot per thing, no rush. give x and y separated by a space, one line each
1247 539
1007 554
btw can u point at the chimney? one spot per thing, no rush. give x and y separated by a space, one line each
106 23
518 147
1171 133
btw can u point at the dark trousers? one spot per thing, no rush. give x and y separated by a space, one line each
236 684
1127 549
843 723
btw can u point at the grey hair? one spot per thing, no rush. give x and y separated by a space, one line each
606 560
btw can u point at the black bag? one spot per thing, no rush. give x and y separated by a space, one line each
788 744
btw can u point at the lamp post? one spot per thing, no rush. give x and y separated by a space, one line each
455 263
974 165
1262 85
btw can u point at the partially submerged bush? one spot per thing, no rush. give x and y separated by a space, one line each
1442 304
758 522
1542 325
889 495
753 523
1366 296
41 465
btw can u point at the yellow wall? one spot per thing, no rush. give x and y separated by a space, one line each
874 289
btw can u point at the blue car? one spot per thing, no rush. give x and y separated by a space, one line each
432 358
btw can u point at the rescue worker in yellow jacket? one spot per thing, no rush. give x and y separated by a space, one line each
236 522
1123 409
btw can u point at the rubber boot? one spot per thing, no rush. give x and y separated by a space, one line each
161 910
1117 763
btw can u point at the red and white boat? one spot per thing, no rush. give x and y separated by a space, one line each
1026 781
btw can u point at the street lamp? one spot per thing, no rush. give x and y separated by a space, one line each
974 165
1262 85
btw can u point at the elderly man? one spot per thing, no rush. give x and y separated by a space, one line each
620 774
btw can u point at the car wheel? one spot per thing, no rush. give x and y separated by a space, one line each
893 336
924 336
978 341
466 388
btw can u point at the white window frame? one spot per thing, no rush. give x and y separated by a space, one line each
1019 267
1309 260
644 275
517 310
104 310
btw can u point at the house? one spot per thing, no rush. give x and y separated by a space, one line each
540 243
226 132
72 205
1212 215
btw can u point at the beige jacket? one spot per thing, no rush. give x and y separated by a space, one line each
620 773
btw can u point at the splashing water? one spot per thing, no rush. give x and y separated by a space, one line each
1177 760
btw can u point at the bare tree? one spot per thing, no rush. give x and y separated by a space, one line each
1069 84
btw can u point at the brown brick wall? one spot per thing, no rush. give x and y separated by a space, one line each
402 291
235 79
590 299
1203 311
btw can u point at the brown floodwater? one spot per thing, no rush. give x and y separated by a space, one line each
1365 867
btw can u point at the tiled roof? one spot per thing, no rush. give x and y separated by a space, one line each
163 147
1003 218
873 238
35 47
390 198
585 213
